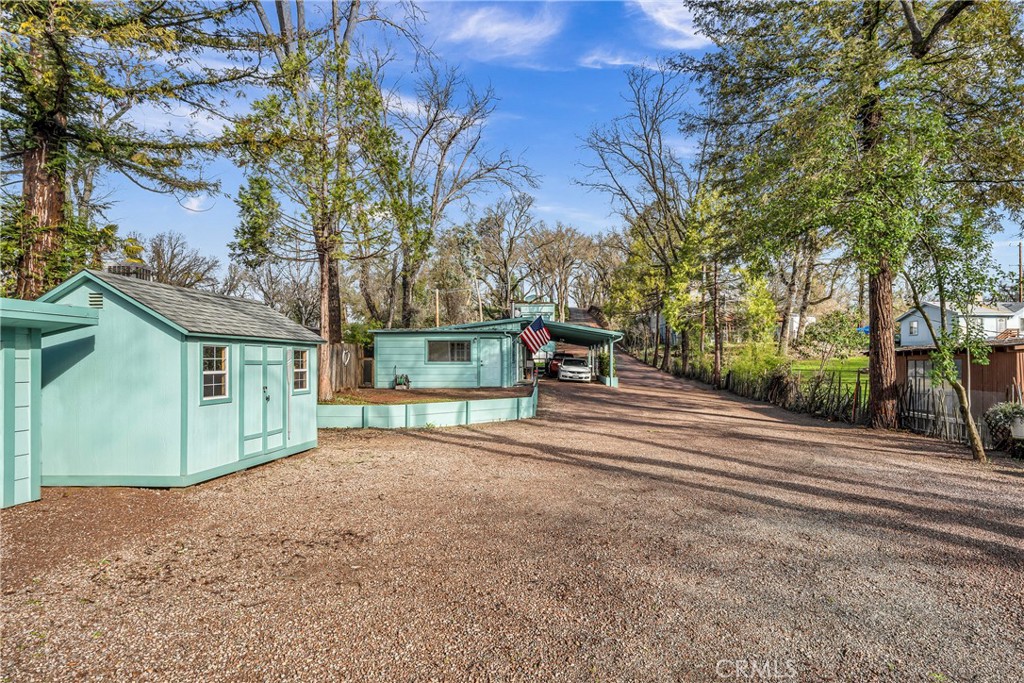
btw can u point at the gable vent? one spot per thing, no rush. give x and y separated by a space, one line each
95 299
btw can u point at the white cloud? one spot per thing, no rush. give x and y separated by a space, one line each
602 58
675 23
197 204
494 31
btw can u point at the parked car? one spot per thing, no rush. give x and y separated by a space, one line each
556 360
574 369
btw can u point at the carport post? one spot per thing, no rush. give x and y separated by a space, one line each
611 360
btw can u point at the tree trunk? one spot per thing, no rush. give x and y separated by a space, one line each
657 337
325 388
805 294
44 194
882 349
716 322
666 359
684 352
407 298
973 436
787 307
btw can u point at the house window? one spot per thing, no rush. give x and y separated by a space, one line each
300 370
215 371
913 328
448 351
1000 325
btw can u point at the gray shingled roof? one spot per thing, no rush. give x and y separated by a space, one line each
208 313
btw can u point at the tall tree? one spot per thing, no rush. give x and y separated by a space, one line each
306 148
65 63
830 112
447 163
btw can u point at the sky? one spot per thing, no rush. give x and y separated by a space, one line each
557 69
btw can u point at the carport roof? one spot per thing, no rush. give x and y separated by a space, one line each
581 335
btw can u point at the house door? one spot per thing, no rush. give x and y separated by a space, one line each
264 404
490 362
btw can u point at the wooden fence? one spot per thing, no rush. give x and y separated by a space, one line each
348 366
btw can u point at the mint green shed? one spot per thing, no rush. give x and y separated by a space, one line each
23 325
172 387
481 354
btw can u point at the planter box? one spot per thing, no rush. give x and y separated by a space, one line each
413 415
1017 428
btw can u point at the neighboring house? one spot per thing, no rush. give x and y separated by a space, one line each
482 354
992 320
987 384
531 309
172 386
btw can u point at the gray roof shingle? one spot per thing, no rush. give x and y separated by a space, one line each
207 313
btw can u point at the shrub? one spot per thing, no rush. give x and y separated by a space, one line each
999 418
754 359
605 365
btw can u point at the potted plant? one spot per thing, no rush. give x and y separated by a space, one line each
402 382
1006 425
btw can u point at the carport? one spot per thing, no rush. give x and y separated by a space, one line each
594 339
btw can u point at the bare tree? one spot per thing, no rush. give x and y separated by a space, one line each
505 235
447 163
175 262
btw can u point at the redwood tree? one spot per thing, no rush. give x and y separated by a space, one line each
65 63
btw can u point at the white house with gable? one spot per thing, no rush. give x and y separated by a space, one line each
1001 318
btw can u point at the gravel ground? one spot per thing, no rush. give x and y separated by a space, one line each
658 532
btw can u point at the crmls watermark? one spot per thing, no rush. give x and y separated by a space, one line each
756 669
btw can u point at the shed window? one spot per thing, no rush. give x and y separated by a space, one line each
448 351
913 328
300 370
215 371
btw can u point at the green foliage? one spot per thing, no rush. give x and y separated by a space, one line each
73 70
358 333
755 358
756 314
834 335
259 216
605 365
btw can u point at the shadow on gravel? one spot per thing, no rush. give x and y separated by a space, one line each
532 450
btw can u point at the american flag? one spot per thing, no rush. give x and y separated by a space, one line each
535 335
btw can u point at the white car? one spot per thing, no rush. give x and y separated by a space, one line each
574 369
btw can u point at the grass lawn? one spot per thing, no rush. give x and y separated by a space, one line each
846 367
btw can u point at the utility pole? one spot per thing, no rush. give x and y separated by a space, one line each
1020 272
437 307
479 301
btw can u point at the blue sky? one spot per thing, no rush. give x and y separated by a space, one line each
557 69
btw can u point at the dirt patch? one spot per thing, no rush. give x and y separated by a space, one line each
393 397
74 525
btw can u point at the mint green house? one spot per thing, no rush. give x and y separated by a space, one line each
173 386
483 354
23 326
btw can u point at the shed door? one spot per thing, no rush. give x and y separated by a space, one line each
490 362
264 404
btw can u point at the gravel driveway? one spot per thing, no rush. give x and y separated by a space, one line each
658 532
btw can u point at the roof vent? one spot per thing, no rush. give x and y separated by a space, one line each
95 299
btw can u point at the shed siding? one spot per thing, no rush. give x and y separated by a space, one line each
19 452
406 354
214 430
112 395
